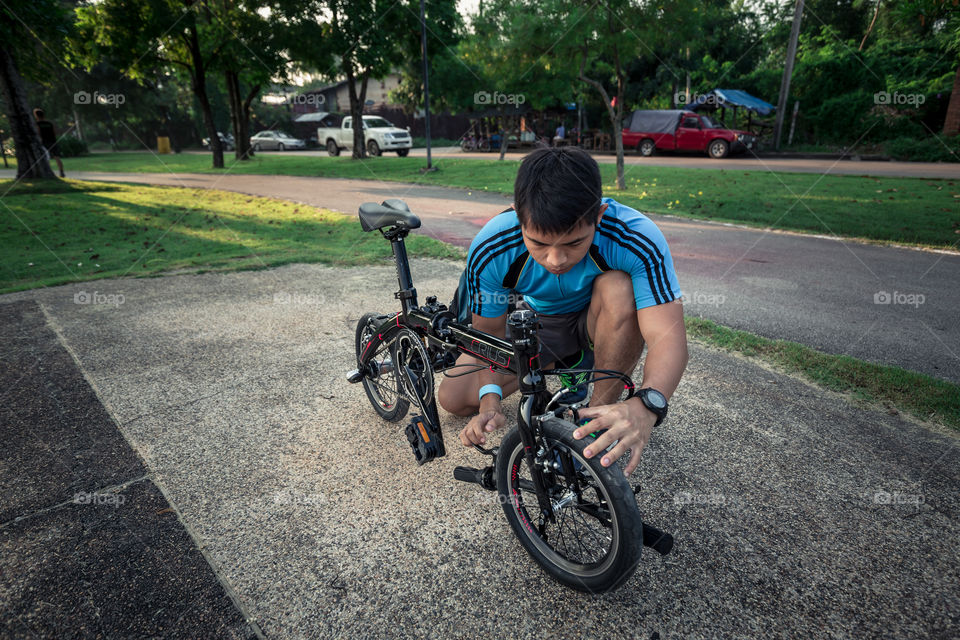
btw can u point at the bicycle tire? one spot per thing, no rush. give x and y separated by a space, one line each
384 389
618 526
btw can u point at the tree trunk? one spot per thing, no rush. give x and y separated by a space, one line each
614 113
233 100
504 140
244 141
198 77
32 160
951 125
356 107
876 12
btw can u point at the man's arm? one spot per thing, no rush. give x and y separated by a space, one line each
631 422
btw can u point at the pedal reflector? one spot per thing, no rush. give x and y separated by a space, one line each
425 439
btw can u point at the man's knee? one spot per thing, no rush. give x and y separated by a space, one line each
612 296
453 400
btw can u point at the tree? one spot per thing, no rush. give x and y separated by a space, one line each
19 45
143 36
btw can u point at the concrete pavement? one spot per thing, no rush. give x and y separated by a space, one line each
796 512
889 305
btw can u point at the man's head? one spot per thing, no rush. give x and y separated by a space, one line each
38 114
557 199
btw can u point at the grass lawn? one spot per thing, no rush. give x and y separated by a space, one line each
898 389
901 210
73 230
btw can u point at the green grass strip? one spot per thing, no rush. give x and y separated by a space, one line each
912 211
71 231
909 392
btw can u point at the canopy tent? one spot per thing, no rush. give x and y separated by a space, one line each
655 121
733 98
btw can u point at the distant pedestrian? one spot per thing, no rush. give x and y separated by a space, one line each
559 134
48 136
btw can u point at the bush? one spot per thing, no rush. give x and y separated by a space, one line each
929 149
71 147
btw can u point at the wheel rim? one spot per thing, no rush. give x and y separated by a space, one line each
372 148
646 147
383 384
280 147
578 541
716 149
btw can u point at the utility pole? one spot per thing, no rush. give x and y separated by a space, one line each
426 81
787 72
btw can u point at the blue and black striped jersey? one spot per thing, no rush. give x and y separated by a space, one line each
625 240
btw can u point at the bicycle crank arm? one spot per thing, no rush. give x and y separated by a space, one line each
659 541
354 376
483 477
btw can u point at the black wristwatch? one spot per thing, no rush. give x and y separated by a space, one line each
653 400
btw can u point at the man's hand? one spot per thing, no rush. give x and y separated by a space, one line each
480 425
628 422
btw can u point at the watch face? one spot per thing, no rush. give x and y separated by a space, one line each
656 398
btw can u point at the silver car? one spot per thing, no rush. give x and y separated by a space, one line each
275 140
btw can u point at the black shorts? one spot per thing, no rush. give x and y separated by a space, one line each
53 151
561 335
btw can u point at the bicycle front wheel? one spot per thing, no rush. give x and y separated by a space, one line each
593 541
380 379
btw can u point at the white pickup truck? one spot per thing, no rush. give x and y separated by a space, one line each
378 135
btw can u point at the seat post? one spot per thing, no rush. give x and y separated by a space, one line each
407 294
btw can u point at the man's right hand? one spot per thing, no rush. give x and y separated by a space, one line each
480 425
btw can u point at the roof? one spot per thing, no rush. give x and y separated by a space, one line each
733 98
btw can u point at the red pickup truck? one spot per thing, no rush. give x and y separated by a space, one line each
678 130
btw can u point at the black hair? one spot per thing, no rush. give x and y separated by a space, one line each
557 189
38 113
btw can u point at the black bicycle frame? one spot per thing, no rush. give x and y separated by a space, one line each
434 323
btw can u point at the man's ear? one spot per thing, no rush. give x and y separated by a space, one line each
603 208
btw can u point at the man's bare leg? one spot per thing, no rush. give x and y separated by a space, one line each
613 328
459 396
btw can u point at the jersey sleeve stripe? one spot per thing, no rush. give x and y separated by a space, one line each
483 249
650 249
658 295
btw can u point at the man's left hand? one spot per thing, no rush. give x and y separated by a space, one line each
629 424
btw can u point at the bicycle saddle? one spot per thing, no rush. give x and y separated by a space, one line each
392 213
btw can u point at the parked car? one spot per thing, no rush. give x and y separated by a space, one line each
378 135
679 130
275 141
226 141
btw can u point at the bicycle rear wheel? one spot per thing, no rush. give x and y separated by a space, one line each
593 543
380 379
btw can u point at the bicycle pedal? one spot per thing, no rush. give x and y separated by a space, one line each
354 376
483 477
425 439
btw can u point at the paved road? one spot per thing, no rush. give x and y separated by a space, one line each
826 293
796 513
697 161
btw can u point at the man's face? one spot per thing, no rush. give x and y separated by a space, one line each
558 253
